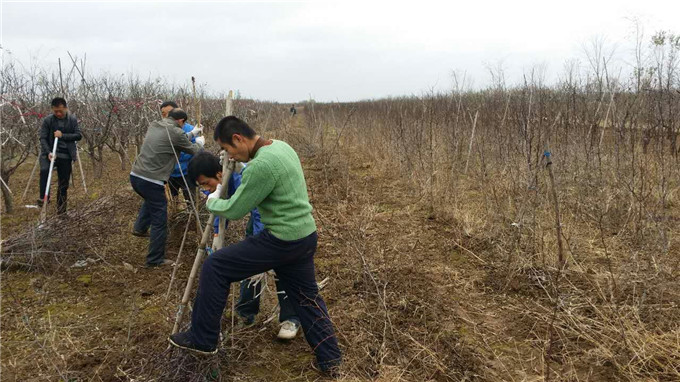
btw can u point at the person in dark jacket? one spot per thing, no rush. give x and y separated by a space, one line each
63 125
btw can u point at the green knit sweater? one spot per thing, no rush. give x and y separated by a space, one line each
274 183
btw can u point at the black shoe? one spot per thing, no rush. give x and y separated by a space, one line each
183 340
330 369
40 202
140 234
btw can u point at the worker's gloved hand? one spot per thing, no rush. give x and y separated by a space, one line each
195 132
216 193
200 141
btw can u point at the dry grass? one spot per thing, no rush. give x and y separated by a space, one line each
434 274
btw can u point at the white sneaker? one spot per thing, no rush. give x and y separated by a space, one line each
288 331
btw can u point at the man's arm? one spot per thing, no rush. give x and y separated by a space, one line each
75 135
45 136
180 141
233 184
257 183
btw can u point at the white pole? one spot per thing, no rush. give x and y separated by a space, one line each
43 213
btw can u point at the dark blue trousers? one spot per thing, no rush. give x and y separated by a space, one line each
154 214
293 262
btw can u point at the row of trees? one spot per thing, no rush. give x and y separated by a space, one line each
113 112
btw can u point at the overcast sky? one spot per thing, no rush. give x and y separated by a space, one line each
287 51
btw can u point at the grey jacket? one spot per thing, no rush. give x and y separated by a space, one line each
70 134
156 158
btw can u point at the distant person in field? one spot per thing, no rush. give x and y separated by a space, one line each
176 181
275 184
149 174
206 171
63 125
293 110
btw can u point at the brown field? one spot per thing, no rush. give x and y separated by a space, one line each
437 235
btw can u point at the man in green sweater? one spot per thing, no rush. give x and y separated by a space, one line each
275 184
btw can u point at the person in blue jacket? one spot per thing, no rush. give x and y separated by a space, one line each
248 305
176 182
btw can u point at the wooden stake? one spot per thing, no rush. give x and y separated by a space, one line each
82 174
472 137
30 178
558 224
218 241
181 246
199 256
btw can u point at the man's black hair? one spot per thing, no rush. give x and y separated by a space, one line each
228 126
203 163
58 101
168 103
178 114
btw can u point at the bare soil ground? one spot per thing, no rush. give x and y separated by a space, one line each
412 298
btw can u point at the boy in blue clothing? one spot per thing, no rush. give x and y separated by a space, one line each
206 171
175 182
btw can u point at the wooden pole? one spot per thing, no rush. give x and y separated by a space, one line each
181 246
472 137
229 104
30 178
558 224
218 241
199 256
198 123
82 174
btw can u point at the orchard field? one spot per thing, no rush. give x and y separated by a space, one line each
516 233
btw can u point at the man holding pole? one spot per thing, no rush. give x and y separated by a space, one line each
63 126
275 184
163 141
206 171
176 180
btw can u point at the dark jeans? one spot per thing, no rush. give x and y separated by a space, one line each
293 262
64 167
154 214
248 305
177 183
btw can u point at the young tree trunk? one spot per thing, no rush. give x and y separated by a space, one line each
123 159
97 166
7 194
